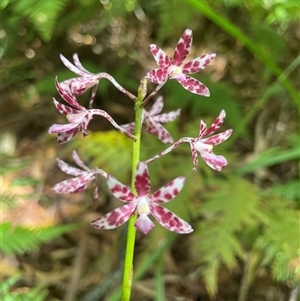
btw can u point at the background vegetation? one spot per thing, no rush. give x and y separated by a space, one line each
246 240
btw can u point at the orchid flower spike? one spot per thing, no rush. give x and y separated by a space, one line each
153 120
173 68
203 144
82 177
144 204
78 116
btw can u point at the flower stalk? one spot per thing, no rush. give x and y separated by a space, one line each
131 231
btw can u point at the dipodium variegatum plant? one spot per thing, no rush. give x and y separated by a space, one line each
140 203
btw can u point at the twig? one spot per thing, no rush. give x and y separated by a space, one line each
73 286
295 293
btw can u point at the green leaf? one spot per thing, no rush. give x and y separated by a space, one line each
159 281
269 158
4 3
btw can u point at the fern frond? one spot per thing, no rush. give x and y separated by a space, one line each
280 241
17 240
42 14
289 191
210 276
232 207
5 285
8 200
35 294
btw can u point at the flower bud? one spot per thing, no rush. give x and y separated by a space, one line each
142 90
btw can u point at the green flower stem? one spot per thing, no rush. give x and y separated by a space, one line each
128 263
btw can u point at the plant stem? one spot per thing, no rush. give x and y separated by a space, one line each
131 233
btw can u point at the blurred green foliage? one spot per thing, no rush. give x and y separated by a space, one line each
253 206
36 294
18 239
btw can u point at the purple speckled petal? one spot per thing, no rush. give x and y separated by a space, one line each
64 137
170 220
61 128
194 86
214 161
77 68
78 161
157 106
157 76
160 57
198 63
82 177
68 96
159 131
79 65
119 190
79 85
68 169
167 117
63 109
115 218
218 138
215 125
70 66
142 179
96 191
169 191
183 47
202 129
129 127
77 184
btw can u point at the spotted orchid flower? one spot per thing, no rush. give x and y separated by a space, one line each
173 68
82 177
152 119
78 117
84 82
144 204
87 79
203 144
